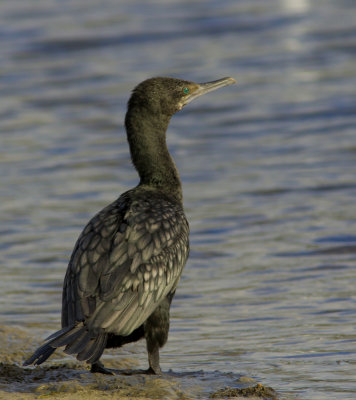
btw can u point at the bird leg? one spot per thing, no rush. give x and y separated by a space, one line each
156 333
153 361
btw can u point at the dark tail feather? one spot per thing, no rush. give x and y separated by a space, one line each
98 349
68 337
94 349
78 345
58 333
77 341
40 355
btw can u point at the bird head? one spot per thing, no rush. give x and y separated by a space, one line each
169 95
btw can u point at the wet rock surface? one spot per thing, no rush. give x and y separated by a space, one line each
258 391
72 380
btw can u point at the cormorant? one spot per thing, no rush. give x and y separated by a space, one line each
127 262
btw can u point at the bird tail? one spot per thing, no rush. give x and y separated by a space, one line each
77 340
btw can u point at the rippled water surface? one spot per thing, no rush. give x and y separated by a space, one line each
268 169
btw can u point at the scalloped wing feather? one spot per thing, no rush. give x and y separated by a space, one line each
126 261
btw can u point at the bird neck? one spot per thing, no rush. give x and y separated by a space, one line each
146 134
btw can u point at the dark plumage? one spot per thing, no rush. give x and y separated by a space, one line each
127 262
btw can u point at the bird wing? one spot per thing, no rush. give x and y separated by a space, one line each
126 261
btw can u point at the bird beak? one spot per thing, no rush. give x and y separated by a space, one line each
203 88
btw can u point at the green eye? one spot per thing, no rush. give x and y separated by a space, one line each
186 90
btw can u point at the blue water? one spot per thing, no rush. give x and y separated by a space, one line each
268 169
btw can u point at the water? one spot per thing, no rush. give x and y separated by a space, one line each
268 168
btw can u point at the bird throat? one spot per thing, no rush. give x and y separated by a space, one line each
146 134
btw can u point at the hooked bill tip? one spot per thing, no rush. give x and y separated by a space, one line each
213 85
228 80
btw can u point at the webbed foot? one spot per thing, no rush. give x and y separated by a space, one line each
148 371
98 367
153 371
